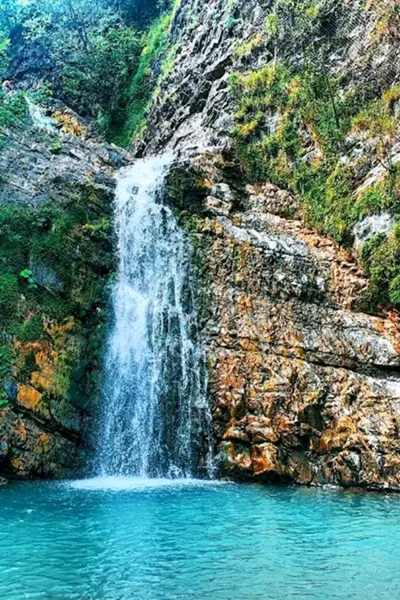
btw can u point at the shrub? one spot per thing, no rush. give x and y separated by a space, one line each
291 129
97 82
139 94
381 259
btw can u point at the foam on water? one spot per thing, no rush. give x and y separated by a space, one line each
118 484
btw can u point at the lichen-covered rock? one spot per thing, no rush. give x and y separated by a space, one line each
304 386
56 196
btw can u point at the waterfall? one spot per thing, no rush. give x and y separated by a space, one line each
156 420
39 118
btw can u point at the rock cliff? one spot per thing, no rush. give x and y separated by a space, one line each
304 384
193 107
284 119
56 192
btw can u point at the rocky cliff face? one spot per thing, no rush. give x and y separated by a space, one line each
305 387
57 253
193 107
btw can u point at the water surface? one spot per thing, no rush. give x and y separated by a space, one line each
137 540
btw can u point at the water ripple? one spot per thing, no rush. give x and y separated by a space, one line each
129 539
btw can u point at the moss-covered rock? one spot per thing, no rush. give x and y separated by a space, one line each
56 258
301 100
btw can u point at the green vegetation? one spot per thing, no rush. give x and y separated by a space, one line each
90 51
6 361
381 257
96 83
12 107
247 47
54 262
296 128
61 243
156 61
143 83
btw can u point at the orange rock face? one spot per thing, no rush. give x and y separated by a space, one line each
41 405
304 387
29 398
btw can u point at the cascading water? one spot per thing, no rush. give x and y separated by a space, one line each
156 421
39 118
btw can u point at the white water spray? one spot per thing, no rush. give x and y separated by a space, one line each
39 118
156 421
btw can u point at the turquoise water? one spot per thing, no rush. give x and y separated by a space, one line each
196 542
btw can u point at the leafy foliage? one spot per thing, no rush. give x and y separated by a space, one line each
90 48
96 83
142 85
381 257
61 240
72 246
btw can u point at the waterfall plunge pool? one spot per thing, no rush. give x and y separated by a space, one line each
160 534
136 539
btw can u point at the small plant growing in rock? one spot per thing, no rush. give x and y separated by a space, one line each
377 123
56 146
27 276
231 23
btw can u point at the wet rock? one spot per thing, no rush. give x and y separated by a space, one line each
3 449
30 173
219 68
66 415
45 277
268 198
265 461
35 452
221 200
235 458
11 389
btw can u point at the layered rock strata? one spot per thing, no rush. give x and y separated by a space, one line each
304 386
